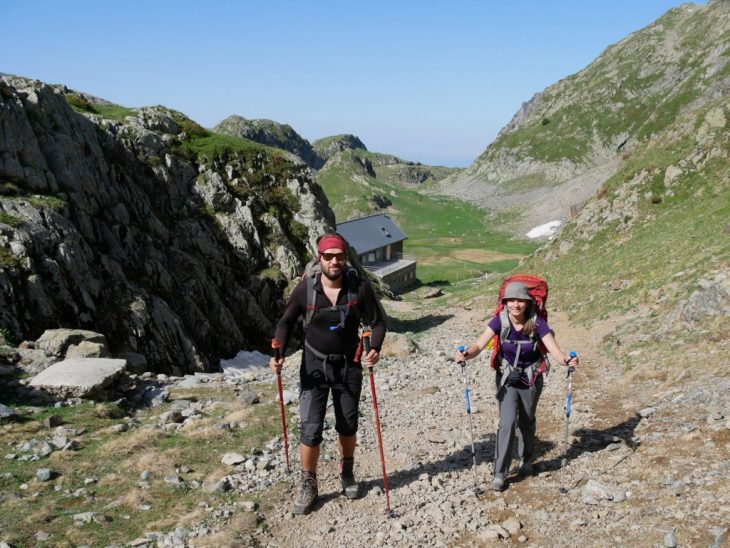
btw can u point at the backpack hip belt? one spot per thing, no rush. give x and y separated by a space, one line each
327 358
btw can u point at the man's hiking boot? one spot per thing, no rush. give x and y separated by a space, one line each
497 484
307 494
347 479
525 469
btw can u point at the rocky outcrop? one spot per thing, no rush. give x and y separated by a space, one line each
268 132
329 146
379 201
172 242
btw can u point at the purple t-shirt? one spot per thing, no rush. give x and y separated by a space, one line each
528 354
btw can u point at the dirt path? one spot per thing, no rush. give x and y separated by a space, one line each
633 479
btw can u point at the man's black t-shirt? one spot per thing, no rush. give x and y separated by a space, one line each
319 332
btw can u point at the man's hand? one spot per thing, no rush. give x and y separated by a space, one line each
371 358
276 364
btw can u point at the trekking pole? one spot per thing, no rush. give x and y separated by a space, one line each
277 354
568 401
477 490
366 348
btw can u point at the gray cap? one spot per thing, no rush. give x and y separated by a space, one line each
517 290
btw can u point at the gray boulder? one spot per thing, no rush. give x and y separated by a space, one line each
87 349
399 346
33 360
6 412
56 342
711 298
79 377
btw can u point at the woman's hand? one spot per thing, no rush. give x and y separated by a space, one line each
462 356
571 361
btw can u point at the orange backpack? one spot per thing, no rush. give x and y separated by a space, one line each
538 290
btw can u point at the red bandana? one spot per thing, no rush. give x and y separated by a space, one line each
331 241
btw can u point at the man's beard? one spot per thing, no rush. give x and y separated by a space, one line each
330 276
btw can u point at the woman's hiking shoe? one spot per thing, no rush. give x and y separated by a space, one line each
497 484
307 494
347 479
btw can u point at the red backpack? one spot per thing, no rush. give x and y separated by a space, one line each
538 290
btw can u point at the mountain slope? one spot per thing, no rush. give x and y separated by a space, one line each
653 247
358 182
567 140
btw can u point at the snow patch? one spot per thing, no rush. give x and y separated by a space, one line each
244 361
548 229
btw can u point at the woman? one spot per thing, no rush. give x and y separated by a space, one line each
519 382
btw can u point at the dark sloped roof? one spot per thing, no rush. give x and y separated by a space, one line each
369 233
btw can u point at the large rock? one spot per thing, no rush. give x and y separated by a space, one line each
398 345
7 412
56 342
711 298
79 378
87 349
33 361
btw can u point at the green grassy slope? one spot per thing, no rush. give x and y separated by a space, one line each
658 226
634 90
450 238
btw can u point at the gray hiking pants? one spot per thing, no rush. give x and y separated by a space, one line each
517 408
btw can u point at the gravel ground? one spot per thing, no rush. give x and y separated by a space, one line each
648 463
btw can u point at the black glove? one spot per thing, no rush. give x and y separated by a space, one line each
514 378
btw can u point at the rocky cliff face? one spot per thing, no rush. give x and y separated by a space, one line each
570 138
174 243
274 134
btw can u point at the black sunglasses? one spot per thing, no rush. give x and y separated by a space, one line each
329 256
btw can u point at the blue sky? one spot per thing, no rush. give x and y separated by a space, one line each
429 81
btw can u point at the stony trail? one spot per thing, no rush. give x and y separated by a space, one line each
649 461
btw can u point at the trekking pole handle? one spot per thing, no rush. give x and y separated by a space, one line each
366 343
467 401
276 347
572 354
462 349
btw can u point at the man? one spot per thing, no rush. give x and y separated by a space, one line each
331 344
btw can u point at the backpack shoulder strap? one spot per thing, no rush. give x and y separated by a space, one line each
504 328
311 307
353 285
